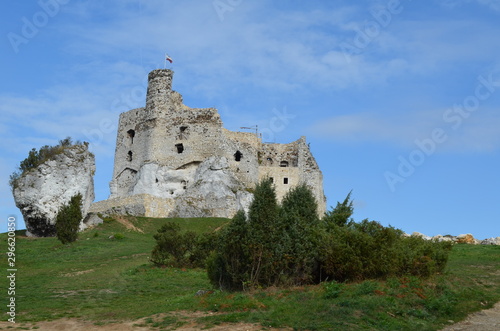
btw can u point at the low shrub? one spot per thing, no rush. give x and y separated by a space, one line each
368 250
333 289
118 236
181 249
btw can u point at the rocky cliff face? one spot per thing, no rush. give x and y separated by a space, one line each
40 192
206 189
216 192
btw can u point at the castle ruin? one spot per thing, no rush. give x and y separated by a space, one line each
175 161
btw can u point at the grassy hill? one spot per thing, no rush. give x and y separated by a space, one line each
106 277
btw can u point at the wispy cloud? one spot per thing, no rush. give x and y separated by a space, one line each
492 4
478 134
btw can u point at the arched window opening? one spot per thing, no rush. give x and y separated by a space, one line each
284 164
183 132
131 135
237 156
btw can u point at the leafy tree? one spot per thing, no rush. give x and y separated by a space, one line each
68 220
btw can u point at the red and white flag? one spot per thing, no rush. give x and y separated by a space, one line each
168 58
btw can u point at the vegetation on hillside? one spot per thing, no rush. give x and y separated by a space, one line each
104 280
288 245
37 157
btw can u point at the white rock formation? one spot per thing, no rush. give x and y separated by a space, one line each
440 238
491 241
215 192
201 189
421 235
41 192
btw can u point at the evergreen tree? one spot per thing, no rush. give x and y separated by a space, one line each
68 220
341 214
300 222
265 235
229 267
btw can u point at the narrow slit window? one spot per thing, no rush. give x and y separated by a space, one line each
180 148
285 180
129 156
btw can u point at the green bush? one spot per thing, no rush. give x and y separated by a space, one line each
204 245
118 236
182 249
68 220
333 289
368 250
172 246
229 265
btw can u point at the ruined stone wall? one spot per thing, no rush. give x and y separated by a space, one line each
135 131
242 150
289 165
160 148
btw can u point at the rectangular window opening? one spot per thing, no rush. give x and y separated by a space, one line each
180 148
285 180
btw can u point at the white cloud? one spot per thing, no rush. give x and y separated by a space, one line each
492 4
478 133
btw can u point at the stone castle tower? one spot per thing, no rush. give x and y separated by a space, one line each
172 160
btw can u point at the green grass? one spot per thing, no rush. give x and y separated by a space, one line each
105 280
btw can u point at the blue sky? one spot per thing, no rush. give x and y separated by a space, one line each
399 100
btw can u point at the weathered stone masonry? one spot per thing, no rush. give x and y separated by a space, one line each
172 160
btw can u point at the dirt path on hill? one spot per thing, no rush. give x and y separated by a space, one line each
77 325
188 320
484 320
125 222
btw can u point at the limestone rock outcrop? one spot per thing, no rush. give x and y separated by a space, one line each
467 239
206 189
460 239
40 192
491 241
215 192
